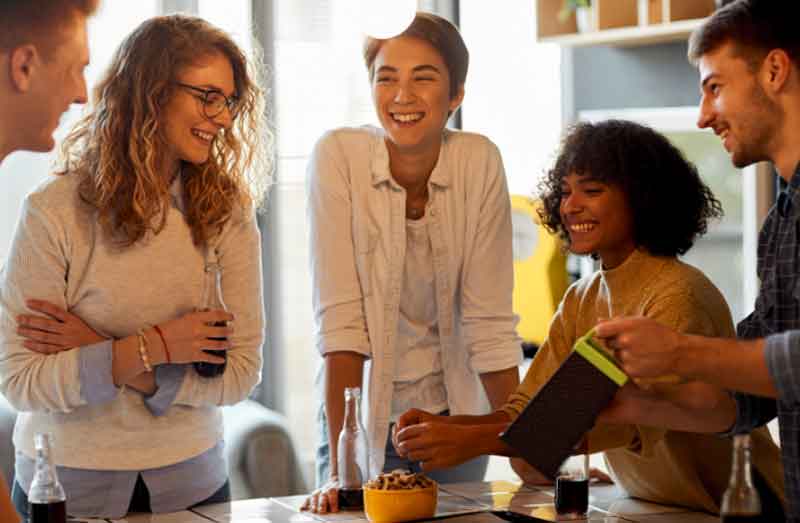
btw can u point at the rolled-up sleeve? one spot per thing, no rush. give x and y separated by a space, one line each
169 378
782 353
488 320
783 365
338 299
96 373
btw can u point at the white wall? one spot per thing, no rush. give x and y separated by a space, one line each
513 91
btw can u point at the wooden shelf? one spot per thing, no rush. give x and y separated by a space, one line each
621 22
629 36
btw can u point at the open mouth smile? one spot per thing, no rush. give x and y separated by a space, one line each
407 118
203 135
582 227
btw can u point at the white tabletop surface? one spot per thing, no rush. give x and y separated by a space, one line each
608 504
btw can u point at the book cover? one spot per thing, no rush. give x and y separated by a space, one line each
565 408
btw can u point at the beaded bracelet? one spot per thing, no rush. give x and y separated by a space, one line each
143 351
164 341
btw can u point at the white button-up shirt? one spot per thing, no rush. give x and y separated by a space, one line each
358 238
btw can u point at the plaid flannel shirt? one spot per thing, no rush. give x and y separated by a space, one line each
777 317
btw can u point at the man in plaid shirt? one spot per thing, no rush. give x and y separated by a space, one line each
748 56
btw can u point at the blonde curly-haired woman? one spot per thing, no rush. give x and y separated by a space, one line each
99 333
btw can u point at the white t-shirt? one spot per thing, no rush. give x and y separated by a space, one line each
418 377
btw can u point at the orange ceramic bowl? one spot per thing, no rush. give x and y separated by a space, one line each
391 506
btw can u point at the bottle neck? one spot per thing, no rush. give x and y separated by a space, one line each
45 487
350 413
740 471
216 278
212 290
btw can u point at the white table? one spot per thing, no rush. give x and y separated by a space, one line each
608 504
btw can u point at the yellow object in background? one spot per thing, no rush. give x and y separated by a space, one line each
540 270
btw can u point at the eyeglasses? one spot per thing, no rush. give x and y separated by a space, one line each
214 102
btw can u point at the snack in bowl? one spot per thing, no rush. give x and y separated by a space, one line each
399 496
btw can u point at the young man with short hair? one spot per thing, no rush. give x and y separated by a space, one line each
748 56
43 52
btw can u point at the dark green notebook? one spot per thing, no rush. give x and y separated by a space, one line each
565 408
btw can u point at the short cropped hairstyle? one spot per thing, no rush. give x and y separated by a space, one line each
755 27
35 21
670 204
441 35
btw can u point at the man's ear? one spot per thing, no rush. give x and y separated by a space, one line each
775 71
22 64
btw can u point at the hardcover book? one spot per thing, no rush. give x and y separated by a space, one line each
566 407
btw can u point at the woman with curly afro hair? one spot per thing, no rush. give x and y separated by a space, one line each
668 204
623 194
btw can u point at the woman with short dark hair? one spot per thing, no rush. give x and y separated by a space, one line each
411 256
620 192
654 176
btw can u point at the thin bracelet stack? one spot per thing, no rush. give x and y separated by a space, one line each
164 341
143 351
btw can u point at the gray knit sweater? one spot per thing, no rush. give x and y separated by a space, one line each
60 254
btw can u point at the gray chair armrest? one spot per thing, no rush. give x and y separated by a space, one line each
262 461
7 418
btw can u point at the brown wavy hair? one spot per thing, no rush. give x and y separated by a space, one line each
117 148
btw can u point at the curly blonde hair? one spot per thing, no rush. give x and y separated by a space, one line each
117 147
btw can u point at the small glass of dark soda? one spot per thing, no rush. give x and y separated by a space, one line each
572 488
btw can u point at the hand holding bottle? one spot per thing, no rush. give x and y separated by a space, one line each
324 499
212 301
189 337
344 489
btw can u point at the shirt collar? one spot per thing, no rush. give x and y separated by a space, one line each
379 164
789 198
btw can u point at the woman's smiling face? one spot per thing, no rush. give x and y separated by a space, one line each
411 93
597 218
189 132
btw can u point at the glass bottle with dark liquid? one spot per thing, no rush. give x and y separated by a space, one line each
572 488
352 455
46 500
741 501
212 300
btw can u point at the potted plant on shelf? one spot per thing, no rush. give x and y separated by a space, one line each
583 13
